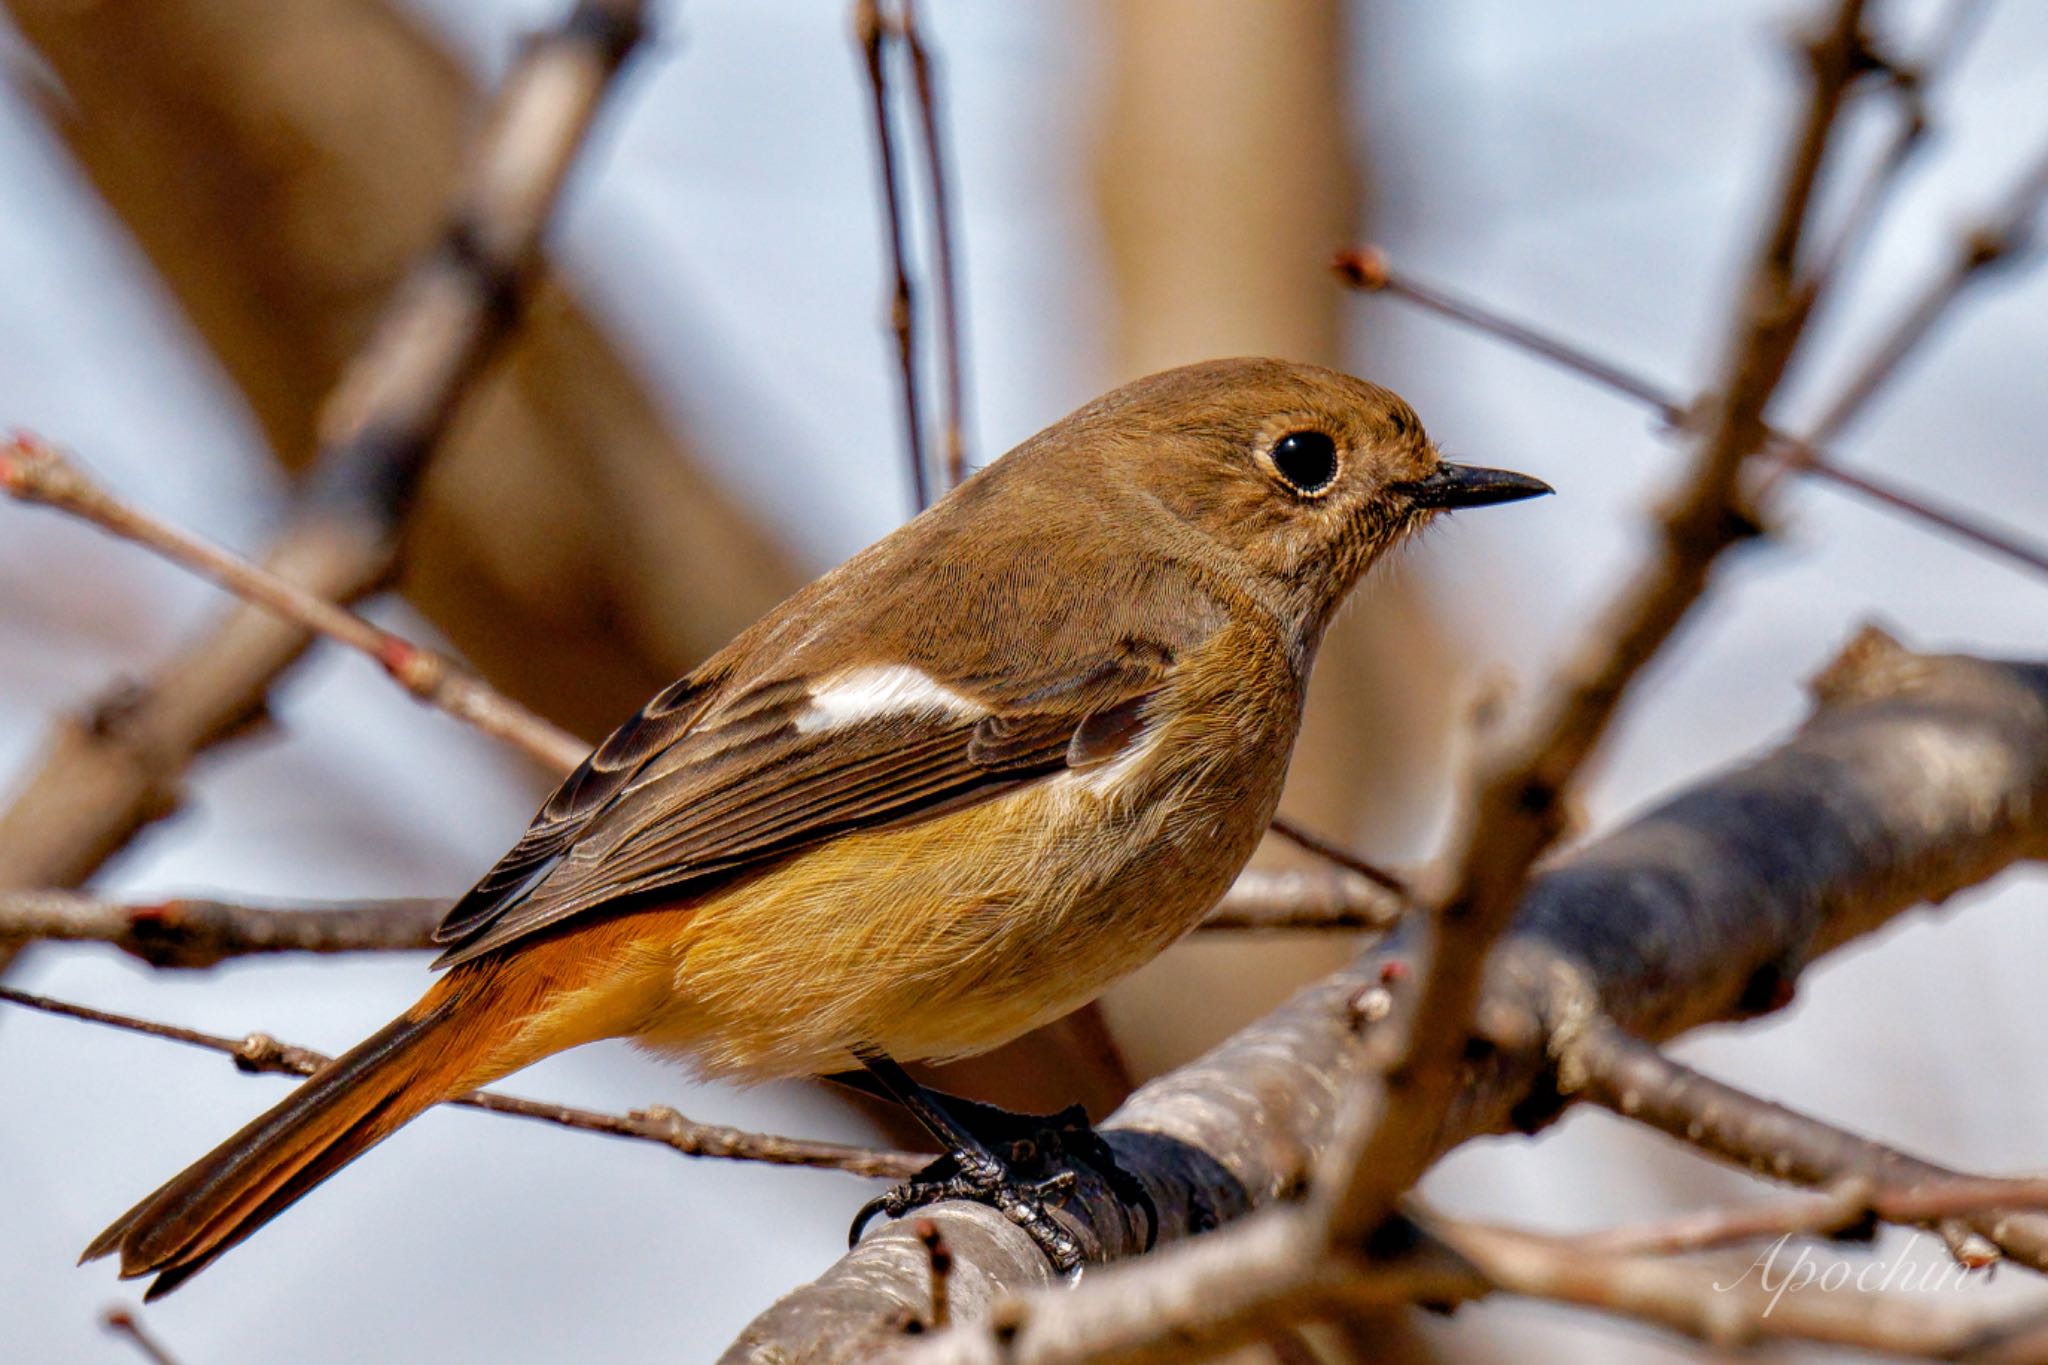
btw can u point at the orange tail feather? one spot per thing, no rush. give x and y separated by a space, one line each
428 1054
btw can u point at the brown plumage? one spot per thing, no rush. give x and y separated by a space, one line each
949 791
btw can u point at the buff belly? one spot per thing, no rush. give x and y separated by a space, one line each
931 941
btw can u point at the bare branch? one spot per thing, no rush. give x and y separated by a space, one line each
1689 914
1848 1209
113 771
202 931
261 1053
1516 807
1843 1210
871 31
1639 1082
2007 236
1908 83
34 472
946 262
1369 268
1698 1302
1342 857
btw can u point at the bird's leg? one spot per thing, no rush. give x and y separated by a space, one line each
971 1169
1025 1139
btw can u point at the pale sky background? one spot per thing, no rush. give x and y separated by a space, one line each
1594 164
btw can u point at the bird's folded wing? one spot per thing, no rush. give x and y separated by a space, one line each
707 780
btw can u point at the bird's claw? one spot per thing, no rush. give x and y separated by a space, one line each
982 1179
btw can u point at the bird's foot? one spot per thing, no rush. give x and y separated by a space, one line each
1027 1164
984 1179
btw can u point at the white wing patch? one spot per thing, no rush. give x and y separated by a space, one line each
879 690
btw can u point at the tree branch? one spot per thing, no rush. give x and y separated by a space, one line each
107 775
260 1053
1600 1063
202 931
1516 808
871 32
1916 776
34 472
945 255
2008 237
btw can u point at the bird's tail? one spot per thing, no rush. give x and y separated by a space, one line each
441 1047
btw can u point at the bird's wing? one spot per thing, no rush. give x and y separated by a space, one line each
708 780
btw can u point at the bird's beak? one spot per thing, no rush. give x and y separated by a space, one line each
1463 485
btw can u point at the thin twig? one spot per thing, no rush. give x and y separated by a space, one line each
1845 1208
1909 83
1368 268
939 1258
1339 855
871 31
1517 805
260 1053
1734 1311
946 271
123 1323
34 472
1602 1064
2009 235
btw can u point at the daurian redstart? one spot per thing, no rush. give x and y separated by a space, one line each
951 790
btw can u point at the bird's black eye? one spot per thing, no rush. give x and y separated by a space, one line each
1306 461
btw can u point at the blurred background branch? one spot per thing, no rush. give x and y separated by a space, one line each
105 777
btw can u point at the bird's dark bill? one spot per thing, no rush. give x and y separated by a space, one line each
1463 485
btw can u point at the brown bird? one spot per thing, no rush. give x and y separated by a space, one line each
949 791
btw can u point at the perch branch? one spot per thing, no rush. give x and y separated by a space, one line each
34 472
260 1053
1915 777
